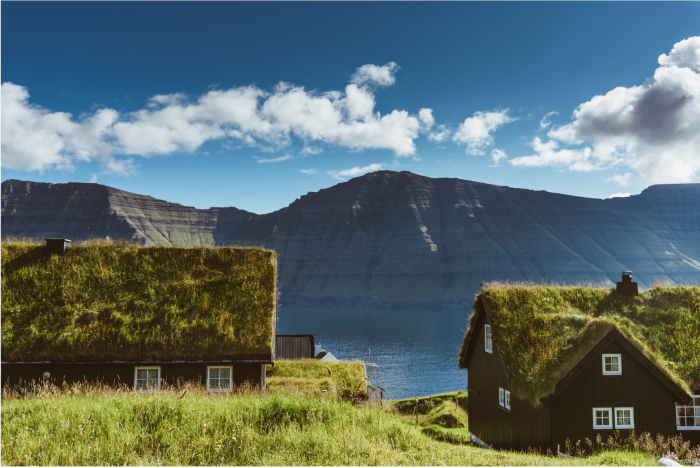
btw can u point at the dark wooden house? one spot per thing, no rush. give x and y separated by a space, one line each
523 395
144 317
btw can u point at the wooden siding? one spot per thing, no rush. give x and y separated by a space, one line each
123 373
518 429
295 347
653 403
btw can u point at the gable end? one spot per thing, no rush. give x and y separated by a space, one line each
615 336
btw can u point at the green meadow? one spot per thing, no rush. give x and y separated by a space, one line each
91 425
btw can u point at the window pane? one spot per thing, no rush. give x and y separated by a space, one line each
225 373
623 418
213 372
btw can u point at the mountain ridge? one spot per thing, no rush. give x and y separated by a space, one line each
397 239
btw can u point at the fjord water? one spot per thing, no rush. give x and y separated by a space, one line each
416 350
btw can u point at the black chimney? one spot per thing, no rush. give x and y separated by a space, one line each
627 287
57 246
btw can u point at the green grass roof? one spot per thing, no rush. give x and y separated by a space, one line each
103 302
543 331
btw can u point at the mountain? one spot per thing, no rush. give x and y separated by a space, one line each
397 239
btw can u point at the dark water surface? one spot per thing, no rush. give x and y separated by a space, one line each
416 350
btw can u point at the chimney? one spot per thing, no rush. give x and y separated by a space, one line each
57 246
627 287
317 349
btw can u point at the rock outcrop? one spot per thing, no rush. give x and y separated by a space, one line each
396 239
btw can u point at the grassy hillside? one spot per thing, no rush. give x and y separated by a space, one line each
443 416
83 426
313 376
543 331
119 302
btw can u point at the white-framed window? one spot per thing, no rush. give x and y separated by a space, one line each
507 399
488 339
146 378
624 418
602 418
612 364
688 416
501 397
219 378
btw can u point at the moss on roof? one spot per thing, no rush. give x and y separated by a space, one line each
102 302
543 331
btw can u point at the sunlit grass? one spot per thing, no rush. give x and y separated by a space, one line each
81 425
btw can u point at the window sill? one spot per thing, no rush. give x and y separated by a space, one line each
503 408
688 428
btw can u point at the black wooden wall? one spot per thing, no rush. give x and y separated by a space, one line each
520 428
122 373
294 347
654 405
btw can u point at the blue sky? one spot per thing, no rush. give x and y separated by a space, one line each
225 104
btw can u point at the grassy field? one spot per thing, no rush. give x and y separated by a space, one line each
94 426
442 417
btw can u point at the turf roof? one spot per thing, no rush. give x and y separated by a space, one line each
543 331
104 302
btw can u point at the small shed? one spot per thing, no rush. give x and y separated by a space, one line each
141 316
295 347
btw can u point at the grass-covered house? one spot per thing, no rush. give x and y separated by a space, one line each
547 364
137 316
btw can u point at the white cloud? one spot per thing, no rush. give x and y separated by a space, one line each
621 180
653 128
36 139
355 171
545 122
309 171
497 155
685 54
618 195
286 157
373 74
476 131
548 154
441 135
426 116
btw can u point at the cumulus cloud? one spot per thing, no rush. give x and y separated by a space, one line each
685 54
497 155
375 75
355 171
621 180
545 122
652 128
475 131
35 138
618 195
440 135
549 154
309 171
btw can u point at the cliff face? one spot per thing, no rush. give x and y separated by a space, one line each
398 239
